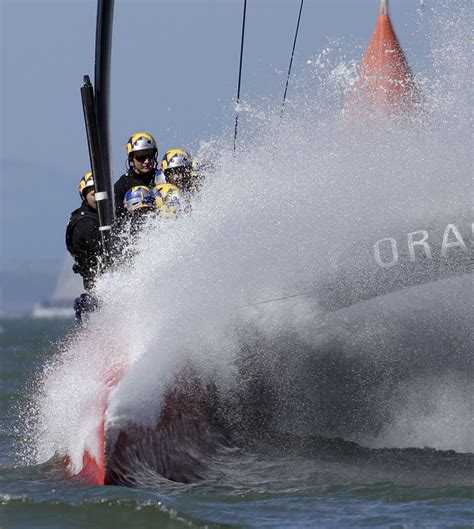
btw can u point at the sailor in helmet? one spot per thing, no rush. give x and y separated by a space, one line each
142 162
177 168
82 233
138 203
83 243
167 200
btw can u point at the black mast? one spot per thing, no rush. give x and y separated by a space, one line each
96 116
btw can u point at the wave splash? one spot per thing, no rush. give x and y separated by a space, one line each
302 202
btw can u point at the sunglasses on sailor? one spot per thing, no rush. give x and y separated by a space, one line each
144 157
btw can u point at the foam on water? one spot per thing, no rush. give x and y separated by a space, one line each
298 198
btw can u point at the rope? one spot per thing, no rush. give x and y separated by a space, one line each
240 74
291 59
282 298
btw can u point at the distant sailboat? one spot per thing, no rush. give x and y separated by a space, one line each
68 287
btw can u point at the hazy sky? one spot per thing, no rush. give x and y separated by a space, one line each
174 74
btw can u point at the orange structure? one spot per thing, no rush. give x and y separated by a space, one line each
385 83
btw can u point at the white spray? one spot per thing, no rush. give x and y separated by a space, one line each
298 197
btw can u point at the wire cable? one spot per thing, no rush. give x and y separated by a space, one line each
240 75
291 59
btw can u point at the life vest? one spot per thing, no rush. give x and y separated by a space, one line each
76 216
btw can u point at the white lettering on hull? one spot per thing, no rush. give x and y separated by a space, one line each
393 260
458 243
418 242
386 250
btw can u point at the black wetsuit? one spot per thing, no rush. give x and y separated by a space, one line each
83 242
128 180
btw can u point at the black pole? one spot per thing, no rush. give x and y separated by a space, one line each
291 59
97 166
96 116
103 51
240 74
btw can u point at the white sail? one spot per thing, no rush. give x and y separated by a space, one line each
69 284
68 287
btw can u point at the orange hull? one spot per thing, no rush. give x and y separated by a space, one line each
93 471
175 448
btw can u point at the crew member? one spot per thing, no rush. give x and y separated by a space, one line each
82 233
177 169
167 199
138 203
142 161
83 243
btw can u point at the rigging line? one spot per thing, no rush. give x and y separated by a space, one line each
240 74
291 59
282 298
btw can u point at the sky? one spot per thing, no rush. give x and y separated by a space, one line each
174 74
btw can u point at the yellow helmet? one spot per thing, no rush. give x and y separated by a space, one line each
141 141
167 200
86 181
175 158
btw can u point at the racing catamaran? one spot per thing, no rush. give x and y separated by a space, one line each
186 430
